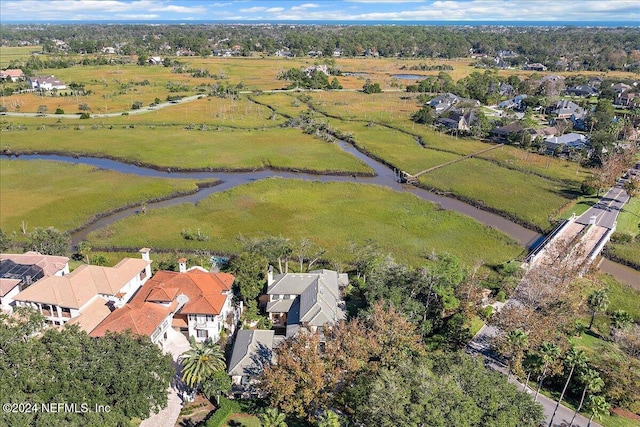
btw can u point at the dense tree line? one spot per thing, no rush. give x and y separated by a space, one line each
376 371
126 373
582 48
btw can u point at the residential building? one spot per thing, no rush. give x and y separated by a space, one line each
89 293
627 98
582 90
444 102
503 132
309 300
620 87
13 74
565 109
459 120
536 66
47 83
572 140
195 302
252 350
514 103
19 271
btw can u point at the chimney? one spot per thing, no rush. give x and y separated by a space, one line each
144 252
270 276
182 263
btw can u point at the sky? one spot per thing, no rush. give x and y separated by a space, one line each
320 10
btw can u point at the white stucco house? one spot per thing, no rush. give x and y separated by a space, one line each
88 294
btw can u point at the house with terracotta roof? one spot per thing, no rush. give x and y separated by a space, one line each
19 271
195 302
89 293
305 300
13 74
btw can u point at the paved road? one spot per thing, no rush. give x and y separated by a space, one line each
480 345
607 209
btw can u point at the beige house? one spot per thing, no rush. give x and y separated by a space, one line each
19 271
87 295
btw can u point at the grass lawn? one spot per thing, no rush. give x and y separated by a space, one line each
330 214
44 193
622 297
628 223
242 420
178 148
527 197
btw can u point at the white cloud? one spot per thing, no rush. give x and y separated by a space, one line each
253 9
142 17
98 9
274 9
384 1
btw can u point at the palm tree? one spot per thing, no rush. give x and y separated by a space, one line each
620 320
329 419
598 407
598 300
592 383
201 361
517 341
550 352
574 358
272 418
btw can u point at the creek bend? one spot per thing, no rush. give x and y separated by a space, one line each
384 177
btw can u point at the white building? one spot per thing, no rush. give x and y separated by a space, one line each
87 295
19 271
195 302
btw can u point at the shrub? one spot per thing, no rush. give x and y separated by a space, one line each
588 188
619 237
501 296
487 312
85 116
136 105
59 111
226 408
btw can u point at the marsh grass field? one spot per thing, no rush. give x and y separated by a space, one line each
521 196
44 193
177 148
331 214
246 131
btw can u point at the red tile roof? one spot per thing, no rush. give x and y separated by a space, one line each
148 307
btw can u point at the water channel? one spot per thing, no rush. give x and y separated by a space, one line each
384 177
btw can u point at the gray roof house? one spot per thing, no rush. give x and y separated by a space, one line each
565 109
570 140
443 102
252 350
309 300
582 90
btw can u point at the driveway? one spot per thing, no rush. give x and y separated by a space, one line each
176 345
480 345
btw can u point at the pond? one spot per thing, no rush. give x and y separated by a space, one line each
408 76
